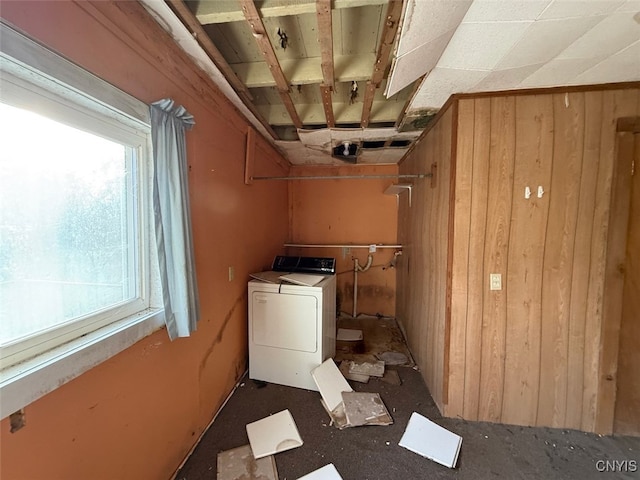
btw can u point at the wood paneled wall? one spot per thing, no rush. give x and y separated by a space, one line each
423 230
528 354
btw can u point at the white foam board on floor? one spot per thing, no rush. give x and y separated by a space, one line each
432 441
235 463
331 383
273 434
349 335
328 472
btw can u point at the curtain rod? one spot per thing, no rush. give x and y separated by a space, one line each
340 177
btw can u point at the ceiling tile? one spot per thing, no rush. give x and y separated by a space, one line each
573 8
501 11
608 37
436 88
481 46
426 20
508 79
544 40
622 67
416 63
559 72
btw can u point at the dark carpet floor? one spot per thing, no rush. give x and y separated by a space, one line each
372 452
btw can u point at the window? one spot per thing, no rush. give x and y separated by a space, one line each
75 223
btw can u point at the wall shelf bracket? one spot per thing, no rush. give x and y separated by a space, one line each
397 189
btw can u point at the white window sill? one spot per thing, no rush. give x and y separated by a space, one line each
27 381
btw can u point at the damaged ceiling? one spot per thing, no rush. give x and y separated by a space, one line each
356 81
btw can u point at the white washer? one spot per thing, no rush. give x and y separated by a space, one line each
292 330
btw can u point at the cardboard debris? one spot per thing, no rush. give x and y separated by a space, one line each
328 472
356 377
239 463
374 369
365 409
432 441
273 434
331 383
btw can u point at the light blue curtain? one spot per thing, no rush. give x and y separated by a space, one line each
173 218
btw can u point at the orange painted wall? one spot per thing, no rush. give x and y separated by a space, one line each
138 414
349 211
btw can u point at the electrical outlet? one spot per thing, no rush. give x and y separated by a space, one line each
232 273
495 281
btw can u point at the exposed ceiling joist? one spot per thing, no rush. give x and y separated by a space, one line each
394 12
307 71
254 20
181 10
327 104
325 38
227 10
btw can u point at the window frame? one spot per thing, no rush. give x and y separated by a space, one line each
70 94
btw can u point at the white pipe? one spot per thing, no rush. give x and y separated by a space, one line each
355 286
357 268
343 177
346 245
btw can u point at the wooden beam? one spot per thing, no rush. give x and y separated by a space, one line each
414 91
394 11
314 114
367 103
291 108
327 103
191 22
325 37
264 44
307 71
218 11
250 156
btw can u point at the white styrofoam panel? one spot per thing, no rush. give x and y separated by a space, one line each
546 39
273 434
622 67
481 46
559 72
501 11
507 79
331 383
573 8
441 83
416 63
328 472
426 438
608 37
426 20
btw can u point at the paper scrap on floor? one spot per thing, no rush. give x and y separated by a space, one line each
239 463
426 438
307 280
363 408
273 434
328 472
374 369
